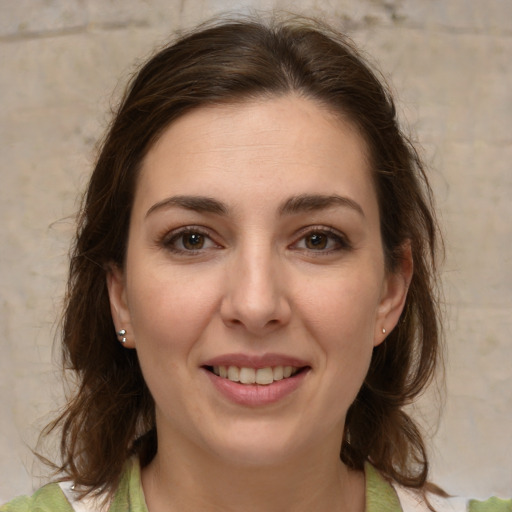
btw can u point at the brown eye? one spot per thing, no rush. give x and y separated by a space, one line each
322 241
188 241
192 241
316 241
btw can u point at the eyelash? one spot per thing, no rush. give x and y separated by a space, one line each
332 235
169 240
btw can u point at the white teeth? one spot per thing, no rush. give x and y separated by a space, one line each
261 376
278 373
264 376
234 374
247 375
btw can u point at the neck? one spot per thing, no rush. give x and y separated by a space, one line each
305 483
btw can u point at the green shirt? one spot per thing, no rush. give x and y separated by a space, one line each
129 497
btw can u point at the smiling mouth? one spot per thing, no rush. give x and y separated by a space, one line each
261 376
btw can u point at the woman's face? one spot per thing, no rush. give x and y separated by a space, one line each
254 255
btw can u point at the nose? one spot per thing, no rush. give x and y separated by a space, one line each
255 297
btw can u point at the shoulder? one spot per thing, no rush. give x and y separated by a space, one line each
49 498
61 497
384 496
490 505
413 501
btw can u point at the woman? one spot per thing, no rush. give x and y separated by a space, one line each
251 300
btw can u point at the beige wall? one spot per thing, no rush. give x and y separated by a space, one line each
450 62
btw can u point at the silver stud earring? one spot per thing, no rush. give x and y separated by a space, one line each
122 334
383 331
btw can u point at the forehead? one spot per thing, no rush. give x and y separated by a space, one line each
290 144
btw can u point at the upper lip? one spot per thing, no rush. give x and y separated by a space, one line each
255 361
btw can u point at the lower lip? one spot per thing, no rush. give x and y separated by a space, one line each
254 395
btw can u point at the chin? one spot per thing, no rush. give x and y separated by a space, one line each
253 457
259 447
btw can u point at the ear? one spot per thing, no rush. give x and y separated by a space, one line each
394 294
118 304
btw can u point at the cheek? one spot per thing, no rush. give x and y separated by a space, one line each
343 309
169 310
341 318
169 313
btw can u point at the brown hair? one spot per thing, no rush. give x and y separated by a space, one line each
111 414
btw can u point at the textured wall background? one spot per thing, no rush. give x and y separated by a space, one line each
450 63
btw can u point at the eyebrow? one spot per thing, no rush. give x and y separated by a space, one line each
196 203
293 205
313 202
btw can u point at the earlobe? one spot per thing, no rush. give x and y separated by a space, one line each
394 294
119 306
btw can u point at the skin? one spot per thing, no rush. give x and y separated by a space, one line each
270 275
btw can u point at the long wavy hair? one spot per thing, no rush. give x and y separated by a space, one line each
110 415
